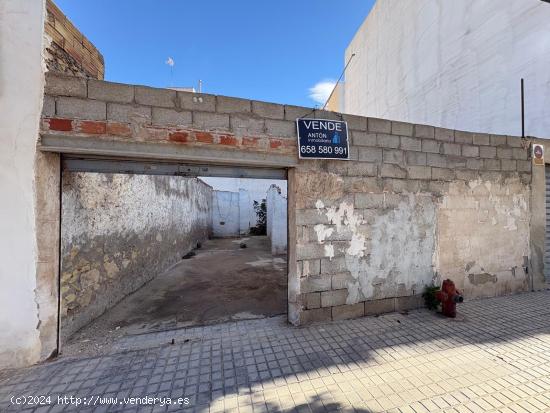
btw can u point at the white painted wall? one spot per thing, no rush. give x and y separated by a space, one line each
251 190
225 214
120 231
269 213
21 92
257 187
276 220
247 215
97 205
455 64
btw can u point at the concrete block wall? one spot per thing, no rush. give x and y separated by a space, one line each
414 204
67 50
119 232
127 113
417 205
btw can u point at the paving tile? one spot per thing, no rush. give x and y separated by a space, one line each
495 356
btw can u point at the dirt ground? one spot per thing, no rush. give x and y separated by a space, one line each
221 282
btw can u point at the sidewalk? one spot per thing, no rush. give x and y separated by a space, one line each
494 357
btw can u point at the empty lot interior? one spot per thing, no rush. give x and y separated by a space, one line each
144 253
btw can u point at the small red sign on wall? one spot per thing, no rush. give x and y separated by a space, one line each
538 154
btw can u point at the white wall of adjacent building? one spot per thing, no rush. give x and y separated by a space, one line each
454 64
21 94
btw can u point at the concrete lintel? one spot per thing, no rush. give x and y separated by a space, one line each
140 167
167 152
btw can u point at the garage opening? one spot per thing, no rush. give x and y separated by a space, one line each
148 247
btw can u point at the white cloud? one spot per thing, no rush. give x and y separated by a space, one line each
321 91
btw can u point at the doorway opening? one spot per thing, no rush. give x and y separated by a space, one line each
155 247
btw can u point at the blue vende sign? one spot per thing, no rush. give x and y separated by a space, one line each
322 139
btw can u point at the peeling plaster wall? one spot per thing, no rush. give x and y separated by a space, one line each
483 234
367 240
365 235
21 95
372 245
120 231
387 250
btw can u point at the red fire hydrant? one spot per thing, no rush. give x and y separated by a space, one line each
449 296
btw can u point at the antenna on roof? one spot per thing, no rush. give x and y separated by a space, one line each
339 79
170 62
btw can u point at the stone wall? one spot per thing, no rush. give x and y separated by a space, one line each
120 231
414 204
67 50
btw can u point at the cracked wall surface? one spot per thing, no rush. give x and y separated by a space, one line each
385 247
349 222
483 236
25 286
382 242
411 206
120 231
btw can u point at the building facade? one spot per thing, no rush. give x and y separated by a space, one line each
453 64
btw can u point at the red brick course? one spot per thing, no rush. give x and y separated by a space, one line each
180 137
171 135
64 125
92 127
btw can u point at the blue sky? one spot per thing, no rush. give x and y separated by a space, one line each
267 50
